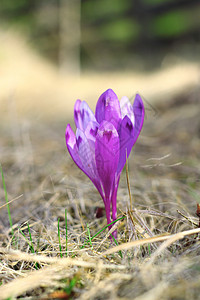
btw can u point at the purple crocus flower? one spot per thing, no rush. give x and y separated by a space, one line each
103 142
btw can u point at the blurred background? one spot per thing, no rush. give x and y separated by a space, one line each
55 51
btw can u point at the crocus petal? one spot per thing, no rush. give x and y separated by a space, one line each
87 157
127 140
108 108
128 133
91 132
72 146
138 110
107 156
82 115
127 109
85 152
77 114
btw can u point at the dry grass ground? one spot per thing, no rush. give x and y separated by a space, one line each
158 252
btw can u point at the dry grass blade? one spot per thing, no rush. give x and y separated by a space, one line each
173 237
11 201
165 245
46 276
21 256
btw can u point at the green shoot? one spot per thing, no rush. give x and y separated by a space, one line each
59 237
32 248
90 240
113 222
8 207
87 242
37 266
66 233
69 288
149 248
116 243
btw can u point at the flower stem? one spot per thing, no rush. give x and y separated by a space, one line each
108 216
114 205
